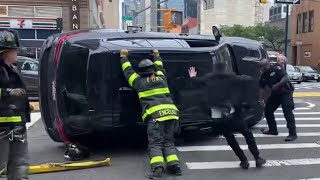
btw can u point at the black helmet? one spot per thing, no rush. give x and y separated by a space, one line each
145 63
8 40
76 152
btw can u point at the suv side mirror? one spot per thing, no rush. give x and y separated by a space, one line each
216 33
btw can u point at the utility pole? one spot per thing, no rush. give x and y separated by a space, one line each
154 16
286 31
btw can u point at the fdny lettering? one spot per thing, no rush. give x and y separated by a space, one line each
167 112
155 79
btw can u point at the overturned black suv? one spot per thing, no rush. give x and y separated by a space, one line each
83 90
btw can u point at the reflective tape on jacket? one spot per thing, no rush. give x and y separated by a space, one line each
157 159
171 158
158 63
153 92
159 73
133 77
165 118
125 65
13 119
158 108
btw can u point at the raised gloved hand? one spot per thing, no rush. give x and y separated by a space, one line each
18 92
155 53
124 53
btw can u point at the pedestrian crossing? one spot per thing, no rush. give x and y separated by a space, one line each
308 85
305 151
35 116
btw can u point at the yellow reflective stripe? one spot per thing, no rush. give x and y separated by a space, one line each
125 65
157 159
153 92
168 118
159 73
172 158
10 119
133 77
157 108
158 63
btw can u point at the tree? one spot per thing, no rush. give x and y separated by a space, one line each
273 35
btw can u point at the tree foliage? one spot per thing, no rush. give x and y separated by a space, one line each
273 36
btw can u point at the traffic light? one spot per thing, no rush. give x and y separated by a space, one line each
263 1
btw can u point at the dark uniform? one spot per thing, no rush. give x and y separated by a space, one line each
14 113
158 110
225 93
283 97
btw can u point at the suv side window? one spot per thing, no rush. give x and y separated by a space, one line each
223 54
30 66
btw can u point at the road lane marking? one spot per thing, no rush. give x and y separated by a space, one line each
34 118
260 135
299 119
235 164
245 147
306 94
284 125
311 179
301 113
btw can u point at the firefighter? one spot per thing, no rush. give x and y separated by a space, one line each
275 79
14 110
158 111
230 105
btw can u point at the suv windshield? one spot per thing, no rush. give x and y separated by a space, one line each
306 69
290 68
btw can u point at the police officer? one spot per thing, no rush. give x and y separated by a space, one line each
14 110
158 111
275 79
230 104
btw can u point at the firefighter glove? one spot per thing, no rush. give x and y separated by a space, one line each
124 53
17 92
155 53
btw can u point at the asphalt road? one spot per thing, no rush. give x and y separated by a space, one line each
203 157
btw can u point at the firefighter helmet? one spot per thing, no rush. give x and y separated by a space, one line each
76 152
145 63
9 40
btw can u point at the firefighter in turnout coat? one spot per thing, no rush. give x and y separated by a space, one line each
158 110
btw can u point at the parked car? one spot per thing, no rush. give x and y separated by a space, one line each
308 73
83 90
294 74
29 71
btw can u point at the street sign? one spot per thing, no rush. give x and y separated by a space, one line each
288 1
177 18
127 18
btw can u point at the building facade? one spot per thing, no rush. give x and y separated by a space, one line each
36 20
305 34
278 11
112 14
222 12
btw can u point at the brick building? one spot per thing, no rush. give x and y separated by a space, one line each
305 33
35 20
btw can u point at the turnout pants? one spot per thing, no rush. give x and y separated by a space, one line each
14 156
161 143
286 101
236 123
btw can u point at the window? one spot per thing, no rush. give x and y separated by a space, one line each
223 54
279 10
285 9
305 22
299 24
208 4
30 66
311 20
271 12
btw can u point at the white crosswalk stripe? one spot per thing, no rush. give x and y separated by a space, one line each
310 85
34 118
306 118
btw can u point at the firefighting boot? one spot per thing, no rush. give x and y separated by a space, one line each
244 164
260 162
156 173
291 138
175 169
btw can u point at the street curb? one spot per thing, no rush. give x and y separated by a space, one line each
306 94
